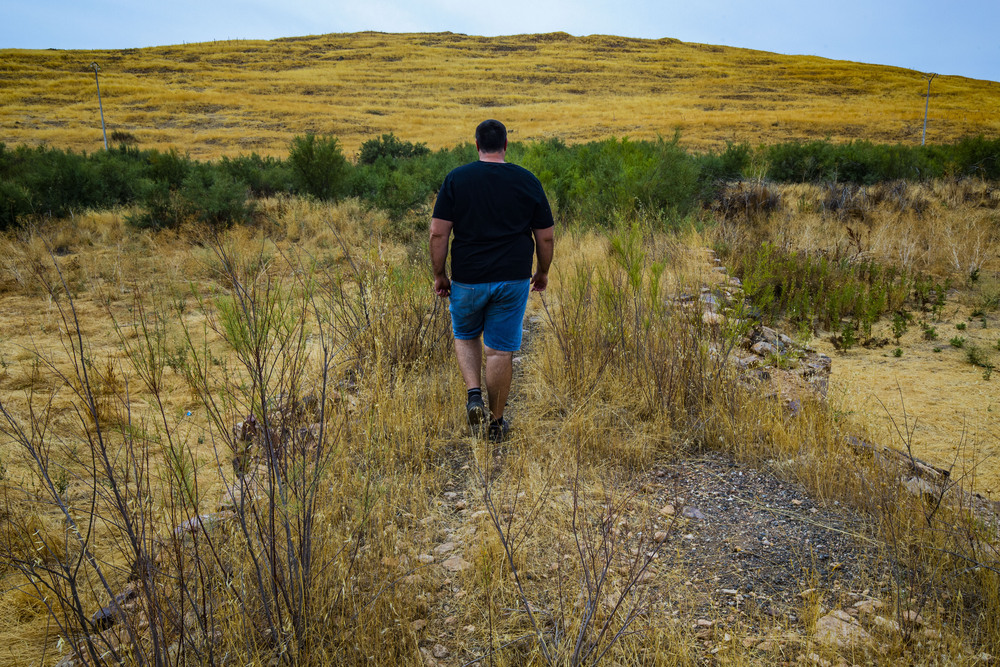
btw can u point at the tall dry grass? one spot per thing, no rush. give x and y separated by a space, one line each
257 445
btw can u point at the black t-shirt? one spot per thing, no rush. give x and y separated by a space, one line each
492 207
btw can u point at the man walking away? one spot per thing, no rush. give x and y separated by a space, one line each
500 219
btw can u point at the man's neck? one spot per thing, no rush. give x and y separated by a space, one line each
492 157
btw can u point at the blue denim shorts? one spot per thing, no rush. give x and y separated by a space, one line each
495 310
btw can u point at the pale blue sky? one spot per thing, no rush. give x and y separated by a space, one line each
955 37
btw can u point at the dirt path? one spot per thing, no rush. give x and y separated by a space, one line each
740 548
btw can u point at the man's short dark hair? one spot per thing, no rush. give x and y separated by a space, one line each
491 136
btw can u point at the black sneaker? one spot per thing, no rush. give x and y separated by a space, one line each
476 412
499 430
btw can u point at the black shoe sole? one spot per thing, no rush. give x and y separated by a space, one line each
476 413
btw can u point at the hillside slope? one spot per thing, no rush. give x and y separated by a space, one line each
233 97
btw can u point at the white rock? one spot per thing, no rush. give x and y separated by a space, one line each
835 632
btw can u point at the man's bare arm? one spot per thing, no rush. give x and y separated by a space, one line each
440 233
544 247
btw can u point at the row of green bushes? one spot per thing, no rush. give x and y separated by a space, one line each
167 188
865 163
592 183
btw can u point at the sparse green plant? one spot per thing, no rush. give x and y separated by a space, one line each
960 326
977 356
930 332
900 322
957 341
848 336
898 352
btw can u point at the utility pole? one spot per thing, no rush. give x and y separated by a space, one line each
99 104
927 104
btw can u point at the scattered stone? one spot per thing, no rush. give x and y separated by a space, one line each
461 505
419 624
469 629
693 513
425 558
835 632
660 537
868 606
202 522
441 651
817 660
712 319
456 564
911 617
667 510
445 548
763 349
917 486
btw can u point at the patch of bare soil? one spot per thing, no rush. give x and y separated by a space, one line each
742 546
750 542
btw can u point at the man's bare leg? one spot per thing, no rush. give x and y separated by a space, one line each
470 361
499 371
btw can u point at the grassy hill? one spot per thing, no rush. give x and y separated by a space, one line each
233 97
245 443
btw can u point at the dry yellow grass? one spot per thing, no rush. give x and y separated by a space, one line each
404 440
403 447
228 98
950 232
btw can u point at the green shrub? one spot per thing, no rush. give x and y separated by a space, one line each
158 206
213 197
404 183
979 357
319 167
15 204
264 176
957 341
169 167
900 323
976 156
599 182
388 146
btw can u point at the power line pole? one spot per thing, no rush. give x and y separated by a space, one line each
927 104
99 104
